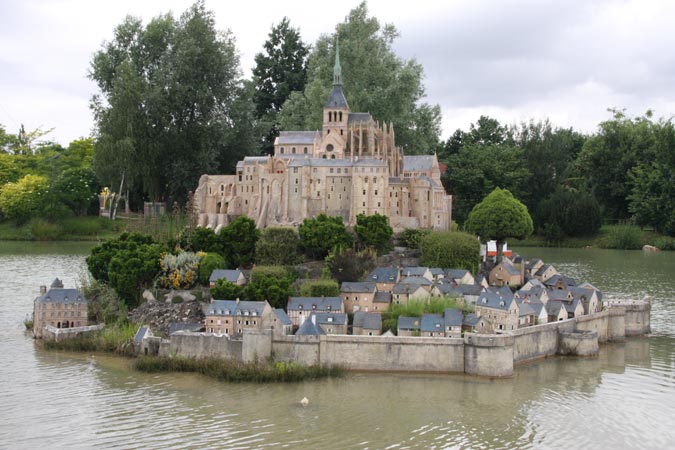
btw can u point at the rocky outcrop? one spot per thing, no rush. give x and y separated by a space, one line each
158 315
650 248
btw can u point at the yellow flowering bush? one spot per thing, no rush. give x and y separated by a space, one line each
179 271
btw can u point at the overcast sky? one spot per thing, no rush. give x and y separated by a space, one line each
512 60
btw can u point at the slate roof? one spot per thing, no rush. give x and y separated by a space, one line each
309 328
553 307
416 280
588 285
432 323
314 303
57 283
436 271
413 271
553 280
298 137
319 162
282 316
368 321
357 286
140 334
402 288
359 117
184 326
470 289
234 308
453 317
572 306
336 98
560 295
408 323
251 160
509 267
534 293
470 320
449 290
524 309
383 275
58 295
542 269
455 274
531 263
382 297
536 307
230 275
491 300
503 291
581 293
331 318
415 163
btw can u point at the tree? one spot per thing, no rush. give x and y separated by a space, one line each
134 268
376 80
239 239
271 283
277 246
320 288
347 264
374 231
99 259
77 189
320 234
499 216
224 290
279 71
164 112
209 263
24 199
450 250
569 212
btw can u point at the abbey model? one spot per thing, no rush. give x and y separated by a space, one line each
352 166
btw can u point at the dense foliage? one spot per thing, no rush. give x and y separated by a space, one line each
499 216
450 250
224 290
209 263
277 246
271 283
374 232
320 288
320 234
569 213
347 264
411 237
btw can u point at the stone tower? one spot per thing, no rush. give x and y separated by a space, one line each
335 116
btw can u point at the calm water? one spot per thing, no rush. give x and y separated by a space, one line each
625 398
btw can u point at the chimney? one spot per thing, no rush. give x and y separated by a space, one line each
237 300
314 319
43 290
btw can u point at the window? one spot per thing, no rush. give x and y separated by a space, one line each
293 150
329 147
305 150
282 150
295 170
375 191
364 193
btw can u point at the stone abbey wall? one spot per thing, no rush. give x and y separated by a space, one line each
492 355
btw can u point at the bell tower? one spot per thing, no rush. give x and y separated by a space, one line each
335 116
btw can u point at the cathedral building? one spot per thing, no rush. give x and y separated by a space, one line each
352 166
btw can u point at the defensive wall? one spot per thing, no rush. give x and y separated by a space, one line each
492 355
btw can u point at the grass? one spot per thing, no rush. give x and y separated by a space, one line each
416 308
114 338
609 236
223 370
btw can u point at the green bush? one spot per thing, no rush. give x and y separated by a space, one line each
623 237
104 305
41 230
411 237
374 231
114 338
224 290
320 288
665 243
176 299
448 249
350 265
320 234
24 199
209 263
271 283
277 246
416 308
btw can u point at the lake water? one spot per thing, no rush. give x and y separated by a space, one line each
624 399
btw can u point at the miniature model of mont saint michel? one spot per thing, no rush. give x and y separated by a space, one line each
352 166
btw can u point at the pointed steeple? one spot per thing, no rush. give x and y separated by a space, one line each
337 69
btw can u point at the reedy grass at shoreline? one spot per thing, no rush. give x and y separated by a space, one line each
235 372
116 339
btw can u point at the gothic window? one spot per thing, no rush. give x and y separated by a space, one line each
340 116
375 191
341 131
330 116
332 156
329 147
293 150
324 156
282 150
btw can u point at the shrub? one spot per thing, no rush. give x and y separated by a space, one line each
277 246
447 249
623 237
349 264
115 338
104 305
41 230
374 231
320 288
209 263
320 234
176 299
411 237
179 271
224 290
665 243
271 283
24 199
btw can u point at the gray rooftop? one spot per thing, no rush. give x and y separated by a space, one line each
382 297
531 263
492 300
402 288
453 317
368 320
416 163
230 275
455 274
470 289
140 334
309 328
58 295
184 326
503 291
542 269
553 307
359 117
470 320
336 98
524 309
413 271
282 316
408 323
509 267
383 275
432 323
314 304
235 308
358 286
298 137
416 280
331 318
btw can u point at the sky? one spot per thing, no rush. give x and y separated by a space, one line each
514 60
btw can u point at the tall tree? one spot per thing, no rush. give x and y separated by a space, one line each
376 80
166 100
280 70
499 216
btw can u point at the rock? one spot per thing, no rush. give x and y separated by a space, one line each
304 401
148 297
650 248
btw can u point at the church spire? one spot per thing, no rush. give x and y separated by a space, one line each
337 70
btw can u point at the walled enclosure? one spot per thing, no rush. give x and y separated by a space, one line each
492 355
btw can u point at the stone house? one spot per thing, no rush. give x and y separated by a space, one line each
453 320
588 297
432 325
545 272
534 294
367 324
300 308
235 276
506 274
574 308
501 312
351 166
460 276
527 316
408 326
332 323
384 278
556 311
403 293
559 281
310 328
532 266
381 301
475 324
423 272
358 296
437 273
539 308
232 317
281 323
58 307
